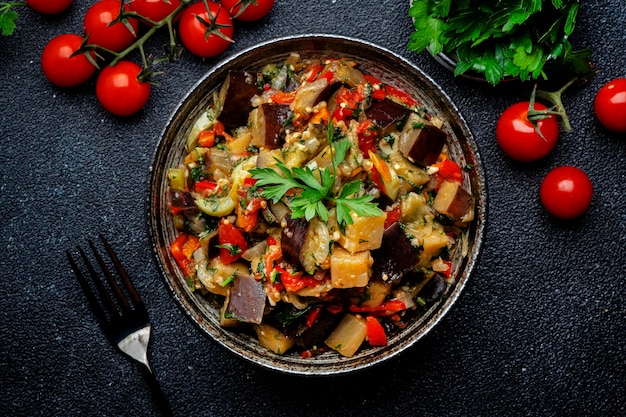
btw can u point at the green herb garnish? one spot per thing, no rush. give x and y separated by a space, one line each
317 188
496 39
8 16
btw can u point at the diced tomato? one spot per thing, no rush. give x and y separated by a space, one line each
402 96
248 207
218 128
376 335
231 241
393 216
367 135
371 79
313 71
271 241
379 92
295 281
205 186
249 181
385 309
248 216
329 75
449 170
348 102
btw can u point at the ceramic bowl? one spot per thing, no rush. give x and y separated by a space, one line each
390 68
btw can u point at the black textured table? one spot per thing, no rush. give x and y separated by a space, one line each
539 330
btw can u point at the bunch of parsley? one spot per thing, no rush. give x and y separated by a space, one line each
498 38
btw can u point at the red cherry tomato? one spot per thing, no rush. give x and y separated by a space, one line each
566 192
248 10
116 37
517 136
154 10
120 91
49 6
610 105
60 67
193 32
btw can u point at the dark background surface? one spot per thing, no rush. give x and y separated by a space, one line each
539 330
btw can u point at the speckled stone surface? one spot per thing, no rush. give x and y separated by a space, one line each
539 330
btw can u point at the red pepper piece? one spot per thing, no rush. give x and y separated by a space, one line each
177 251
294 282
376 335
232 242
385 309
367 135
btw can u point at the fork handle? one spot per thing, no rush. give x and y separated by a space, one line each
157 393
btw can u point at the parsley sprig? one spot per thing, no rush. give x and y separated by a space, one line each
316 188
8 16
515 38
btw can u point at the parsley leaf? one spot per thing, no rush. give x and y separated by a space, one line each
315 188
497 39
8 17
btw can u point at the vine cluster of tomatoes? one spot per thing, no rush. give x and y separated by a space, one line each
112 29
528 131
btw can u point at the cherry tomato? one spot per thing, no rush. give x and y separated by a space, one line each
566 192
248 10
154 10
120 91
60 67
193 32
116 37
610 105
49 6
518 138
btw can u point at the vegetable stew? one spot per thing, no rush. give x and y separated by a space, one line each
318 206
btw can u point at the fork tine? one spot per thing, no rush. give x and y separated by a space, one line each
121 298
120 269
91 297
105 298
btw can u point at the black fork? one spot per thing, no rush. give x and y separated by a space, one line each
124 320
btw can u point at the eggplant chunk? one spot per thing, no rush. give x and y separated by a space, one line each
235 95
292 239
420 141
312 93
395 257
267 125
246 301
454 201
388 115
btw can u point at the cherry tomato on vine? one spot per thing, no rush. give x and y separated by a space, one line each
218 26
248 10
116 37
60 67
120 91
517 136
566 192
49 6
610 105
154 10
